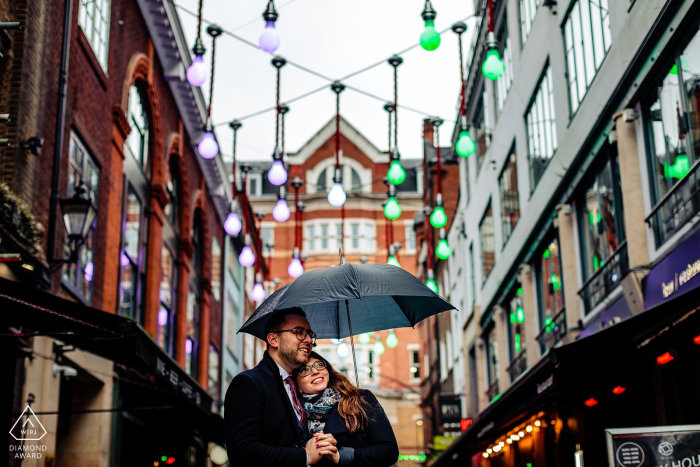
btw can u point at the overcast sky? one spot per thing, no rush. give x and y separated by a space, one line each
334 38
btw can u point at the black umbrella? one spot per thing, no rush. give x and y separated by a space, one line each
352 299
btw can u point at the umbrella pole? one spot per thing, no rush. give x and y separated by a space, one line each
352 344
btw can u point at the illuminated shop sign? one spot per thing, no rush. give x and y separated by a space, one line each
675 275
663 446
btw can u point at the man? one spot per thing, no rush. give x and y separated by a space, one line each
265 420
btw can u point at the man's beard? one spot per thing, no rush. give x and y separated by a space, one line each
290 352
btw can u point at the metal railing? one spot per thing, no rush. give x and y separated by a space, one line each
552 332
492 391
605 279
677 206
518 366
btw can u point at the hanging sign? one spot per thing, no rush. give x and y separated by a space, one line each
663 446
450 409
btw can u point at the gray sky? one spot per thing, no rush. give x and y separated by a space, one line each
334 38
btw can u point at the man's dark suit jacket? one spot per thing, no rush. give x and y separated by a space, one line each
261 426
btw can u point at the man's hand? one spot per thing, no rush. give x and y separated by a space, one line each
322 444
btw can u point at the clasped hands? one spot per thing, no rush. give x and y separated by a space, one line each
322 445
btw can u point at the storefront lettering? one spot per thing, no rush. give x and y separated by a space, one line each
542 387
691 271
693 461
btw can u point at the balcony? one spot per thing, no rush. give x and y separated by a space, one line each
518 366
605 279
552 332
677 206
492 391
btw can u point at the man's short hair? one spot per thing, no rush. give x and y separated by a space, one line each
278 319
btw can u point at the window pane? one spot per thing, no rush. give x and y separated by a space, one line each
138 140
132 226
541 124
324 237
311 237
321 182
410 239
369 238
215 269
510 203
355 229
93 18
488 243
550 280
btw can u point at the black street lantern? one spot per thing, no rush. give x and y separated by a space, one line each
78 216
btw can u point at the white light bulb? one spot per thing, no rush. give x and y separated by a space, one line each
295 268
258 293
281 211
337 196
233 224
343 350
277 174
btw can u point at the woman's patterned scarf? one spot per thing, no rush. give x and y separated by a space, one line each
318 407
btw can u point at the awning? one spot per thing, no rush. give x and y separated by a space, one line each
558 375
33 312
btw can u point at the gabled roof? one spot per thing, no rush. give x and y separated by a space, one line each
327 132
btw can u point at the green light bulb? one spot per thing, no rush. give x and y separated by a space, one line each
493 66
391 340
438 218
392 209
396 173
378 346
520 315
517 343
393 261
430 38
443 250
432 285
678 169
465 146
365 338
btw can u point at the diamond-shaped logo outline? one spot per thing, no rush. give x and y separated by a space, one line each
20 418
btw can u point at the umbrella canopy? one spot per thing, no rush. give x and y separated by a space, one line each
379 296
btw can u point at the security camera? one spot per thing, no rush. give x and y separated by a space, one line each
33 144
68 371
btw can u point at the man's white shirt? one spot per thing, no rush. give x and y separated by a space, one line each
287 388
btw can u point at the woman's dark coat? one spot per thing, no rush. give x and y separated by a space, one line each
374 446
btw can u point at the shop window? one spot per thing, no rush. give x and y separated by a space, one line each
587 39
504 82
82 170
483 132
550 296
515 314
94 20
138 141
528 10
510 202
215 269
168 301
214 373
132 278
172 186
488 243
602 232
541 129
672 117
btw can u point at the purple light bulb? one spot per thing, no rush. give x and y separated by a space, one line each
247 257
281 211
197 72
89 269
258 293
269 39
188 346
277 174
162 317
233 224
123 259
207 146
295 268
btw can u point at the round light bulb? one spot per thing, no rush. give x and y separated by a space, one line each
188 346
295 268
393 261
89 271
396 173
430 38
465 146
392 209
281 211
379 347
342 350
207 146
443 250
438 218
232 225
247 257
391 340
162 317
277 174
123 259
493 65
269 40
258 293
432 285
197 73
365 338
337 196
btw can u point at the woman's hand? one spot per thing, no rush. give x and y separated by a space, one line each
326 445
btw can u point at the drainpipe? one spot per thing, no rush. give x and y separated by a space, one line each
60 130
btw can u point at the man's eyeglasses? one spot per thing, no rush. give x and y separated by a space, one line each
306 370
301 333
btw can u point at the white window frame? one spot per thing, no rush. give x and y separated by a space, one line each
409 233
364 173
97 35
257 177
414 348
541 124
333 245
528 13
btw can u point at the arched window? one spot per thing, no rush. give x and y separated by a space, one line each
167 310
355 182
193 295
137 115
349 178
321 182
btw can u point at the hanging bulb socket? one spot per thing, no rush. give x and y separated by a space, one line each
297 183
214 30
429 13
235 125
270 14
198 48
395 61
389 107
459 28
337 87
284 108
278 62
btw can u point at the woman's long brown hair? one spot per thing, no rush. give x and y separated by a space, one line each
352 406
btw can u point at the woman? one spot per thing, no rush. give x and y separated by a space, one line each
352 416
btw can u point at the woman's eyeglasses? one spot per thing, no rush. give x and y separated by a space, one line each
301 333
306 370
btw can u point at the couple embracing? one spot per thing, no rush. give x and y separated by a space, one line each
295 410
